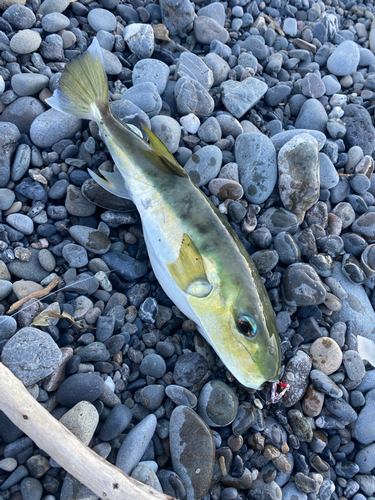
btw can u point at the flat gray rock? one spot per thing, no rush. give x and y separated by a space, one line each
239 97
52 126
31 355
344 59
192 451
256 159
31 270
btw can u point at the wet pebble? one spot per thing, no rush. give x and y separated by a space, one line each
302 285
217 404
297 376
192 451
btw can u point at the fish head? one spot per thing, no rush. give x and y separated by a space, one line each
242 330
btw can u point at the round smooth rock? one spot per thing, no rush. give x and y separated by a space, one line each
55 21
226 188
298 164
125 266
326 355
219 67
25 41
353 365
151 70
312 116
153 365
76 204
75 255
52 126
5 289
279 219
21 222
26 84
168 130
9 138
140 39
313 401
7 198
344 59
31 355
82 420
144 95
256 159
365 459
217 404
181 396
31 488
18 16
204 165
302 286
117 421
192 451
147 476
135 444
297 376
324 384
101 19
328 175
29 270
177 16
91 239
207 29
80 387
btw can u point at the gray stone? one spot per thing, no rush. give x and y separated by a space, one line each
125 266
30 270
75 255
19 16
177 15
283 137
256 45
26 84
21 222
191 66
217 404
135 444
93 240
9 137
192 97
116 422
5 289
328 175
210 130
219 67
359 129
31 355
76 204
364 429
215 11
356 307
147 476
344 59
102 19
140 39
21 162
278 220
52 126
168 130
192 451
151 70
7 198
207 29
22 113
80 387
25 42
256 159
55 21
299 173
240 97
365 459
204 165
312 116
296 374
146 97
302 286
111 64
129 112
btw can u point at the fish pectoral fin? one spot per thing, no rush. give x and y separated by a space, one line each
188 270
168 163
112 182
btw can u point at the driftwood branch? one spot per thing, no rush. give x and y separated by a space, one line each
104 479
34 295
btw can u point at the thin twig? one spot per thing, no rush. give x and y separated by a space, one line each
34 295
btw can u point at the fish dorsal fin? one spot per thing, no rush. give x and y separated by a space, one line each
188 270
112 182
169 164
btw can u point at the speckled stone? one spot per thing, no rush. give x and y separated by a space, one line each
326 355
82 421
313 401
297 376
192 451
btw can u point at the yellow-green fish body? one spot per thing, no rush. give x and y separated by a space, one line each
196 256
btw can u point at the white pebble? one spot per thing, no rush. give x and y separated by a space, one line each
190 122
109 382
8 464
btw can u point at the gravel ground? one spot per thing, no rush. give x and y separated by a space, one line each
269 106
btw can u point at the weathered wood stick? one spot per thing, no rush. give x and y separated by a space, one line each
104 479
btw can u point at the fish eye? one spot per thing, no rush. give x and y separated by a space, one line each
247 325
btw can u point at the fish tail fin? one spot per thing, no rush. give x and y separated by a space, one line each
82 84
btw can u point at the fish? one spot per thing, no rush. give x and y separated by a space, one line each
195 254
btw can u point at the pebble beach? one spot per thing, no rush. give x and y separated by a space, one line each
269 106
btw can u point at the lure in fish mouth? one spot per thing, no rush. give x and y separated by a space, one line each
195 254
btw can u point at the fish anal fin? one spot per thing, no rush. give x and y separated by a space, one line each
168 163
188 270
